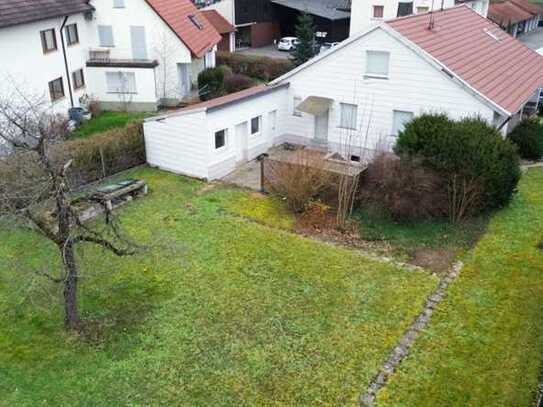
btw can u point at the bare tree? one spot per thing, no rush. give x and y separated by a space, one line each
167 81
39 192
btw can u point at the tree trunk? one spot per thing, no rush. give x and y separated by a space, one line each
71 313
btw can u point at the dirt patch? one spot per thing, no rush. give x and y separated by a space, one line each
436 260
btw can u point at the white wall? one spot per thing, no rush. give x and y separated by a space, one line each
178 144
162 43
23 63
362 11
413 86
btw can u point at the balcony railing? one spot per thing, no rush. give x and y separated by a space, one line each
117 57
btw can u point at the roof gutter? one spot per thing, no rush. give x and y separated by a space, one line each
66 60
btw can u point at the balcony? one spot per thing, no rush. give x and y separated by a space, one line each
118 58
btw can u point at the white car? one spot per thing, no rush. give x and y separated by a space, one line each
287 43
327 45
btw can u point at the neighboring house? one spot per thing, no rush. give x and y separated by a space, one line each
331 17
365 14
126 54
517 17
368 87
147 52
42 49
224 28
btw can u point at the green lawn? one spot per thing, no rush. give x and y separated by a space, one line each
227 308
107 121
484 346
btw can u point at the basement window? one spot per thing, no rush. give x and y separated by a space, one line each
196 22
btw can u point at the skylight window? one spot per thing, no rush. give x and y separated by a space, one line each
495 33
196 22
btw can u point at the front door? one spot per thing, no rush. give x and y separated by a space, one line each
139 43
184 79
321 127
242 139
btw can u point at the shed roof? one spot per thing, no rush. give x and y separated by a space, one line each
507 13
15 12
220 23
496 65
188 23
329 9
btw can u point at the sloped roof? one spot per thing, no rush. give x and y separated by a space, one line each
329 9
15 12
532 8
496 65
507 13
220 23
188 23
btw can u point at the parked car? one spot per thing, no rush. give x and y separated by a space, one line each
327 45
288 43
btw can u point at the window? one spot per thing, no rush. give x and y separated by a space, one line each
220 139
378 11
48 40
255 125
72 36
56 89
105 36
196 22
377 64
348 115
121 82
78 79
355 158
405 9
296 103
118 4
422 9
399 120
209 59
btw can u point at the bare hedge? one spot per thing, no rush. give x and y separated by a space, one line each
94 158
263 68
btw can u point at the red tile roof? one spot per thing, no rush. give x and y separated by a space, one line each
188 24
507 13
492 62
220 23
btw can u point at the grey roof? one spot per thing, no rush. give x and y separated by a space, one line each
330 9
15 12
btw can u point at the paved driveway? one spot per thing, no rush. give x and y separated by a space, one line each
534 39
267 51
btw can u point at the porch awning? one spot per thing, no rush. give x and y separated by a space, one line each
315 105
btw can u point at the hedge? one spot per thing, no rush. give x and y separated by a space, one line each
262 68
528 136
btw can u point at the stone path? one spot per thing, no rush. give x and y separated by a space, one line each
402 348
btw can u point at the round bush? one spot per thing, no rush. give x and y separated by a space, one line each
480 167
528 136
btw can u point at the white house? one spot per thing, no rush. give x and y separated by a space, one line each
365 14
126 54
357 97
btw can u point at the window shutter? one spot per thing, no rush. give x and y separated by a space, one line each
377 63
105 35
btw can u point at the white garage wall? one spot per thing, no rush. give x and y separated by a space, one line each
179 144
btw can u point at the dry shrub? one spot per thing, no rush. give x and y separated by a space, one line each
263 68
237 82
96 157
300 181
404 188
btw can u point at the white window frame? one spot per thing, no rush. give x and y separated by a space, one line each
295 102
373 74
224 146
259 131
109 30
396 131
122 75
342 116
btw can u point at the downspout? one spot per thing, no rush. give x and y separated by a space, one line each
66 61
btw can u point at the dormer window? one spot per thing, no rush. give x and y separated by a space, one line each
196 22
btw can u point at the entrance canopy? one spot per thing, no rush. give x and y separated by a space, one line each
315 105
